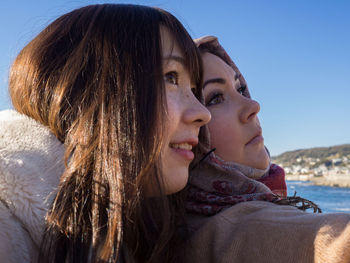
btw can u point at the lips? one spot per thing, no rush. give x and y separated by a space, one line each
187 144
184 148
257 138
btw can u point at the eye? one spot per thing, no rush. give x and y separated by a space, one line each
243 91
172 77
215 98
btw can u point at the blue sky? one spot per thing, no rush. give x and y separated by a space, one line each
295 56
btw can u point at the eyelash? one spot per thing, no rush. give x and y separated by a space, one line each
175 75
218 95
243 91
172 74
213 97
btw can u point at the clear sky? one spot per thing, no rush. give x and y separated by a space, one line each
294 54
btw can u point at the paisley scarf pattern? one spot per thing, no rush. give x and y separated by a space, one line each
215 185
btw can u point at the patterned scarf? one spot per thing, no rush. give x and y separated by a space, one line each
215 185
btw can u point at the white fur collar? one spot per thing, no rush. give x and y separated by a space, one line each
31 162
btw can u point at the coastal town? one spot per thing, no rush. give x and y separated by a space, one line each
320 166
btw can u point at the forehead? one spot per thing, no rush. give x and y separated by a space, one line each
215 67
169 45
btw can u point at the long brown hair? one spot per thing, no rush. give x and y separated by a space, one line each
94 78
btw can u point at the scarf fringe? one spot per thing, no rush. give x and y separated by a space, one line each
298 202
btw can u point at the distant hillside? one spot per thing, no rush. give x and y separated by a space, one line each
315 156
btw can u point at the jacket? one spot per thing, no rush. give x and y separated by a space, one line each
237 222
260 231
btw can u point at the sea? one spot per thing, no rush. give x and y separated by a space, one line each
329 199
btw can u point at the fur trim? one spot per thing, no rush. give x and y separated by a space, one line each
31 163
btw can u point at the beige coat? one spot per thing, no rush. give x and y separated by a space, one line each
260 231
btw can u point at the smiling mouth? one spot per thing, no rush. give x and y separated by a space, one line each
183 146
183 149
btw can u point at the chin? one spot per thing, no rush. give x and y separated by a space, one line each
263 162
260 161
177 185
262 166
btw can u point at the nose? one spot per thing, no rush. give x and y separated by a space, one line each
249 110
197 113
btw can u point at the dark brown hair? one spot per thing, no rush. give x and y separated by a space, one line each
214 47
94 78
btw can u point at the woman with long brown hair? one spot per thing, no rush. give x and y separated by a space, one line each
116 85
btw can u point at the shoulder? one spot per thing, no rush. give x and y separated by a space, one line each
262 212
265 232
24 133
31 162
15 243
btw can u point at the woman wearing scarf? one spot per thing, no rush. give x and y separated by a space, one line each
237 205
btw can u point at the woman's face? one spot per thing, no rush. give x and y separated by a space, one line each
185 116
234 129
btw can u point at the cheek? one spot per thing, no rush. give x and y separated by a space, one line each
173 113
216 130
174 169
222 131
225 136
222 123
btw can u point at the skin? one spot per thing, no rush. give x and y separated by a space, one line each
185 116
235 129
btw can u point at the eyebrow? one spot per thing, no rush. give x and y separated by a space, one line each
216 80
176 58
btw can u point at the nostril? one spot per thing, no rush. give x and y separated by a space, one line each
197 113
252 115
250 110
205 115
257 105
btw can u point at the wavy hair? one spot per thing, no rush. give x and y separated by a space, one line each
94 78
